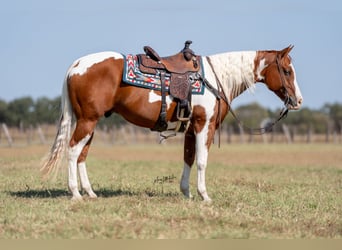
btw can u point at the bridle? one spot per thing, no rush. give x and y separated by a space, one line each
288 100
220 94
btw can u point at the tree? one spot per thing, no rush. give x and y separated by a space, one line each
3 111
335 113
307 118
46 110
250 115
21 112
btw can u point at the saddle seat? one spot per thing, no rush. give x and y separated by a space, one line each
180 63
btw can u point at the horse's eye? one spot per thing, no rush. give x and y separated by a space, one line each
287 72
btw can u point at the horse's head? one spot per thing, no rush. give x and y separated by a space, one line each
278 73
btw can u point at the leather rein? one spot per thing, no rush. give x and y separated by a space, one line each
220 94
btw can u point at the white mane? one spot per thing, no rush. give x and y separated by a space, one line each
235 70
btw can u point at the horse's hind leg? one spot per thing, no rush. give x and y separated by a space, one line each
78 148
85 183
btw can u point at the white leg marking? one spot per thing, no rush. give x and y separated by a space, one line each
74 153
85 180
184 184
202 158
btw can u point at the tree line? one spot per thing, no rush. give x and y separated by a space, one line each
328 117
25 112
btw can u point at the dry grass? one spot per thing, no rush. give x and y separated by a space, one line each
259 191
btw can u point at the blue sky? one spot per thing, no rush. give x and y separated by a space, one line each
40 39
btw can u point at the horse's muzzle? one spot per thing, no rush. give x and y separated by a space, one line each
294 103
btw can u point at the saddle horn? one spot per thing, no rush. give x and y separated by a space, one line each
187 52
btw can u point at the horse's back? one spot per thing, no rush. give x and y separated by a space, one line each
83 64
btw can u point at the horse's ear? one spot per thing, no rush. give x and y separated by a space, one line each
286 51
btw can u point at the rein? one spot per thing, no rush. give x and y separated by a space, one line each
220 94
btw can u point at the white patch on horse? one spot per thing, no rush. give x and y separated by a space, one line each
298 93
81 65
260 68
153 97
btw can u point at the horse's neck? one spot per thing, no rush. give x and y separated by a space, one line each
235 71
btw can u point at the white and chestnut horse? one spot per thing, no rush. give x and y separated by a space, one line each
94 87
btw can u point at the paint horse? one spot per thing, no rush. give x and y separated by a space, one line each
94 86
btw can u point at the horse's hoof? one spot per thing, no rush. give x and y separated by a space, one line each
77 198
207 201
92 196
188 197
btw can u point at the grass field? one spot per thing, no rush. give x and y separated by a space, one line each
258 191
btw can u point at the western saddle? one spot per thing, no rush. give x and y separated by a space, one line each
182 68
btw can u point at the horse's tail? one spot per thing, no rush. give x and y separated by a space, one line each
53 160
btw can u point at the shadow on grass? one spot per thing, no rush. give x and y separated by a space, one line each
103 192
43 193
107 193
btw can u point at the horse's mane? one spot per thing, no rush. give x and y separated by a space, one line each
235 71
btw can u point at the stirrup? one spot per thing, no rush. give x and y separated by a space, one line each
180 114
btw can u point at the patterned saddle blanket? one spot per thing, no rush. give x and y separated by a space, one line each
132 75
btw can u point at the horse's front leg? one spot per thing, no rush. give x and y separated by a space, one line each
203 141
189 158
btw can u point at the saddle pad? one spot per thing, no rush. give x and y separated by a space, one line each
133 76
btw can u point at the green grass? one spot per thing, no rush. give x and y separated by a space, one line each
258 191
